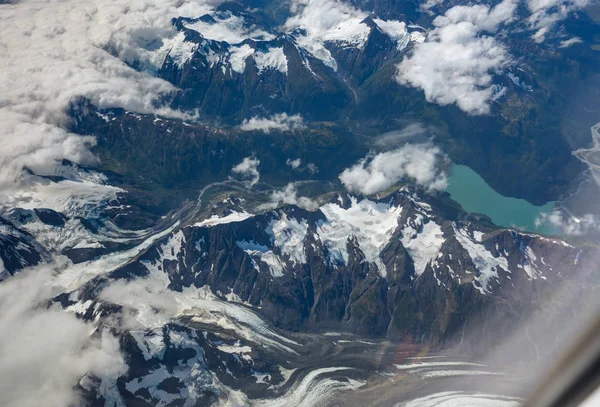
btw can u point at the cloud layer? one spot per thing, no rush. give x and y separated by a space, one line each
419 163
54 51
44 352
456 63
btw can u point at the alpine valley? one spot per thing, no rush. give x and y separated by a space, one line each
243 203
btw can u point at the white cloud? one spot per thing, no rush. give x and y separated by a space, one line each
570 225
546 13
297 165
569 42
44 352
54 51
420 163
456 63
281 122
37 146
289 196
248 169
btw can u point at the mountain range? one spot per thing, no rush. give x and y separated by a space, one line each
274 228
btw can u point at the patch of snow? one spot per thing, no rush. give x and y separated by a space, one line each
286 373
530 266
237 349
422 241
274 58
251 246
262 377
233 297
151 343
317 50
238 55
171 249
352 32
265 255
86 244
181 340
79 308
104 117
396 30
231 218
484 261
288 235
478 236
229 28
178 49
276 266
371 223
151 381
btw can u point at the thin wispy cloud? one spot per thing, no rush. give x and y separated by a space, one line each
279 122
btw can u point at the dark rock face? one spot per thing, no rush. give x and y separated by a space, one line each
359 64
18 249
50 217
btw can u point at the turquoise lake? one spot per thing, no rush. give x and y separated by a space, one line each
470 190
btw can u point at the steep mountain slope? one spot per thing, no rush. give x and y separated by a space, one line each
18 249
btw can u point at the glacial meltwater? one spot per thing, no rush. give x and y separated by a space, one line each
470 190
